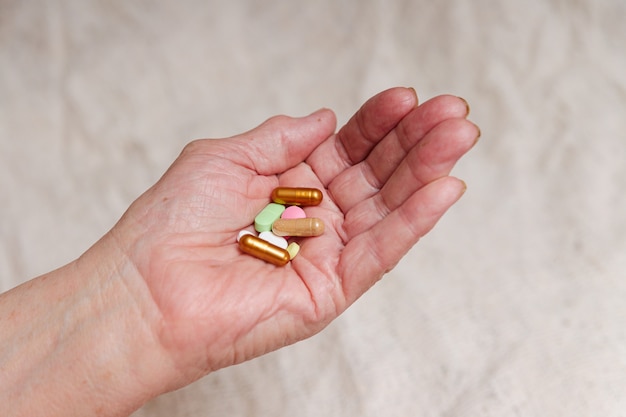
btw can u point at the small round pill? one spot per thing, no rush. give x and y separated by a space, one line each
297 196
311 226
293 212
264 250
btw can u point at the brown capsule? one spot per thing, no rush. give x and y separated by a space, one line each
264 250
310 226
297 196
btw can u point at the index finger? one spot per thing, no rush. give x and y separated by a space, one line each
370 124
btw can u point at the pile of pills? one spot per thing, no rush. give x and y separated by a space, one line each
279 220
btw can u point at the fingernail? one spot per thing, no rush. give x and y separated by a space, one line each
464 187
478 136
415 94
467 106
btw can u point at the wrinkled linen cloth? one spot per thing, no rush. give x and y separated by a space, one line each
514 305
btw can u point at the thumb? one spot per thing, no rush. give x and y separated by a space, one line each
282 142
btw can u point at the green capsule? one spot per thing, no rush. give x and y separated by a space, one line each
263 221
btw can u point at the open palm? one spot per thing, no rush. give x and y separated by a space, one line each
385 182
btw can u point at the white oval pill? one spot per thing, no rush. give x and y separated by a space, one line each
273 239
243 233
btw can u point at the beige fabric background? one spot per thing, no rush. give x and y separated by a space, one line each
515 305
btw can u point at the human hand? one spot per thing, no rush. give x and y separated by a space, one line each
385 182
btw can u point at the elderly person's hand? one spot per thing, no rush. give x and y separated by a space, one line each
167 294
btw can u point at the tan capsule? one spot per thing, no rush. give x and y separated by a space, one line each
264 250
297 196
309 226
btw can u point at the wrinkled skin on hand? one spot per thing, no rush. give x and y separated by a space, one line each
385 181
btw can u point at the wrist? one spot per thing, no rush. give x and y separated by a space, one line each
127 353
81 340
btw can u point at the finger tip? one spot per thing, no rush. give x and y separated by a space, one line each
326 115
463 187
478 133
409 97
414 96
451 188
460 188
321 112
406 96
466 104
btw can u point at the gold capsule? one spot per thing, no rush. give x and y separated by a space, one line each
309 226
297 196
264 250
